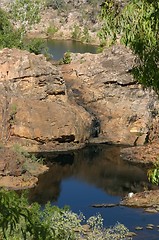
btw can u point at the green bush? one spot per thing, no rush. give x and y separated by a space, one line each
66 58
51 30
56 4
153 173
76 32
86 36
20 220
35 45
10 37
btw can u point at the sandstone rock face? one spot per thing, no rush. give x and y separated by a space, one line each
35 109
93 99
102 83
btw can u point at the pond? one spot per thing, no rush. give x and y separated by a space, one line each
96 174
57 48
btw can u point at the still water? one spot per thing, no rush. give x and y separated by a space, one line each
96 174
57 48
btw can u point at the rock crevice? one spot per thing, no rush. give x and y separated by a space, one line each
126 112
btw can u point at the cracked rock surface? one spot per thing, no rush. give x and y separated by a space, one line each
36 111
102 83
92 99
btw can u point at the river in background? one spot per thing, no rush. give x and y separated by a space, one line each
57 48
94 175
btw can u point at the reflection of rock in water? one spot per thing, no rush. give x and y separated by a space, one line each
48 188
99 165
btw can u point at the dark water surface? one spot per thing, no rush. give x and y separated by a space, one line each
96 174
57 48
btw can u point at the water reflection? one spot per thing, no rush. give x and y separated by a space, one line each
99 166
57 48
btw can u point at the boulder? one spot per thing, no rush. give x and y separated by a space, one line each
102 83
36 110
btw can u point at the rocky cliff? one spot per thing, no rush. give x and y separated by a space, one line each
92 99
102 83
35 109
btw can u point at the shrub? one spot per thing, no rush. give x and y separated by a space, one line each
11 37
56 4
21 220
67 58
35 45
76 32
86 37
153 173
51 31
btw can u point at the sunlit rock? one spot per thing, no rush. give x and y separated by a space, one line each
127 113
36 110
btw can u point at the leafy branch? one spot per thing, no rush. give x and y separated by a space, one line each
136 24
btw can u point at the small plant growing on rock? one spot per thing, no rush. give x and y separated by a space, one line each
76 32
153 173
19 149
86 36
51 31
12 114
67 58
56 4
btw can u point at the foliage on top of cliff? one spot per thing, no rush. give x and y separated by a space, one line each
8 36
136 24
15 23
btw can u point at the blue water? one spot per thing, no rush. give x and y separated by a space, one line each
83 195
97 175
80 196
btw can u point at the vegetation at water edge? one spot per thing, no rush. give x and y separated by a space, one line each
21 220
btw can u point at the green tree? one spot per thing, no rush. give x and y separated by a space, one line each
24 13
9 37
136 24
